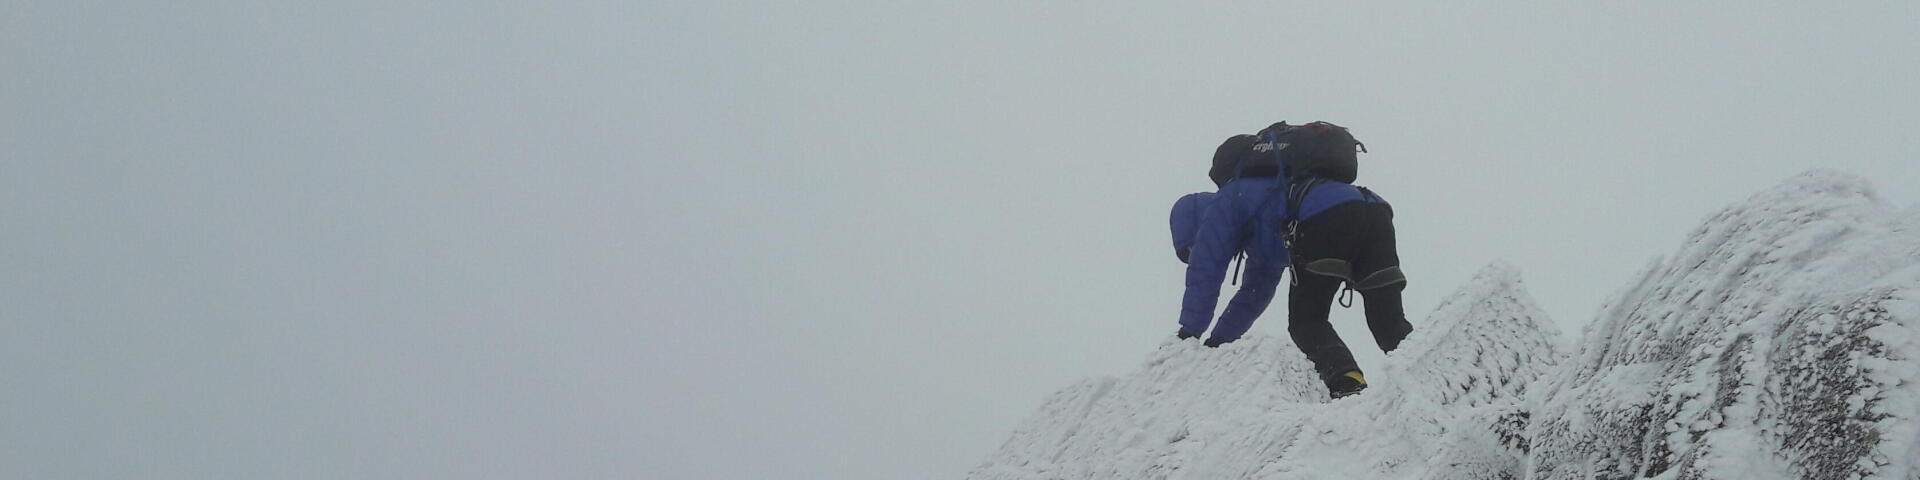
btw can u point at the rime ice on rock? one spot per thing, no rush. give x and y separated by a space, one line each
1468 370
1189 412
1486 342
1777 343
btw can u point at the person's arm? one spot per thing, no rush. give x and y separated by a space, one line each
1217 242
1257 288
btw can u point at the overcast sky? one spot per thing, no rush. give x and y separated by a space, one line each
798 240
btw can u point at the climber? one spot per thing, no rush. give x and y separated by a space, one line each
1212 230
1337 233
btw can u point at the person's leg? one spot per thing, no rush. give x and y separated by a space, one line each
1386 317
1380 280
1327 238
1308 305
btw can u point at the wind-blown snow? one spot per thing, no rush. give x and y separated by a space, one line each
1780 341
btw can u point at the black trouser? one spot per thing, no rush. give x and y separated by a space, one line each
1351 243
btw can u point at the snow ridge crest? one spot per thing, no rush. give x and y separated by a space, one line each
1254 408
1488 341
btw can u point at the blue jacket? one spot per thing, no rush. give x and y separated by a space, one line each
1247 215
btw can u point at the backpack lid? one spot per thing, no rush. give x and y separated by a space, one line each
1236 158
1317 149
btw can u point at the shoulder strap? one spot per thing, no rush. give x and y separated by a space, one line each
1297 194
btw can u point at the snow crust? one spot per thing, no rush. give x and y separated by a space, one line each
1782 340
1255 409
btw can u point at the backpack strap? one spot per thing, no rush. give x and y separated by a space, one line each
1296 194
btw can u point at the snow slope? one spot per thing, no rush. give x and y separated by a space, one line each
1254 408
1779 342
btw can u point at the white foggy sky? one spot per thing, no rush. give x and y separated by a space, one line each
794 240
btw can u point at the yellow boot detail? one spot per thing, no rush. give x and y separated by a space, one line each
1357 377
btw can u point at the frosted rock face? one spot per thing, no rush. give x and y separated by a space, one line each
1190 412
1487 342
1779 342
1482 350
1255 409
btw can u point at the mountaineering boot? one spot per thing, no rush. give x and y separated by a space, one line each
1346 384
1183 335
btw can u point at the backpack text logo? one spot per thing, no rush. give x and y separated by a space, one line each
1268 147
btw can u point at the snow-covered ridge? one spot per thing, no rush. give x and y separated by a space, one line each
1780 341
1255 409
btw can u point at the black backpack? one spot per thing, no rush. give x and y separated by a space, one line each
1236 158
1314 150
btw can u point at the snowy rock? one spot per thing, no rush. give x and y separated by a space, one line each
1487 342
1189 412
1777 343
1255 409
